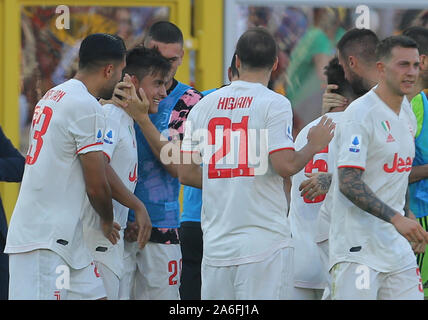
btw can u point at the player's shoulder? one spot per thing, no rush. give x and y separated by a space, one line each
361 108
111 111
75 90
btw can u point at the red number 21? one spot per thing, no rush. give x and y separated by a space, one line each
242 170
37 143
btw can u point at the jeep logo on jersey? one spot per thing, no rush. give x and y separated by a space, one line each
355 144
108 137
398 164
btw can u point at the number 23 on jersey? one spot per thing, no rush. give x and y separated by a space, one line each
39 126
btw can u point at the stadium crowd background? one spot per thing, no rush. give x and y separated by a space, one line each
49 55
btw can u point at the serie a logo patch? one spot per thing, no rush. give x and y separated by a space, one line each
355 145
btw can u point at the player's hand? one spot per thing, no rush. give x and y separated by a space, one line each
144 226
121 94
125 96
418 247
111 231
131 231
411 230
332 100
319 136
316 185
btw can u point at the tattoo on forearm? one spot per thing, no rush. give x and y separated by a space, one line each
354 188
324 181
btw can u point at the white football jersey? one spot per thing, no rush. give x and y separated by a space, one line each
303 213
375 139
67 121
244 207
120 147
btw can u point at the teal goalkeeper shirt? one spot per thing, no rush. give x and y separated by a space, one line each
192 197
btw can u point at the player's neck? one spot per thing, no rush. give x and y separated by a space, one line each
168 84
389 97
255 76
89 82
371 79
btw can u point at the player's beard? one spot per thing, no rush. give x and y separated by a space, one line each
358 85
107 92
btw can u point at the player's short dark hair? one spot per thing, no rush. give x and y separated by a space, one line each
360 43
141 61
420 36
336 75
257 48
99 49
233 69
384 48
165 32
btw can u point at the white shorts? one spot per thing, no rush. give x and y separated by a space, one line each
110 280
126 287
152 273
44 275
359 282
271 279
323 248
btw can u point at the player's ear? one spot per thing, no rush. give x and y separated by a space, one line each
108 71
352 62
135 81
423 62
275 65
237 62
380 66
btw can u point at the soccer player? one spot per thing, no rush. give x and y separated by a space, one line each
159 264
190 228
247 144
418 178
370 239
357 51
356 55
310 278
147 70
64 168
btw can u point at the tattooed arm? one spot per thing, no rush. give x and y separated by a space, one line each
355 189
316 185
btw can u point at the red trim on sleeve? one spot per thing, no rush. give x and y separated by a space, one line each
108 157
90 145
289 148
355 167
